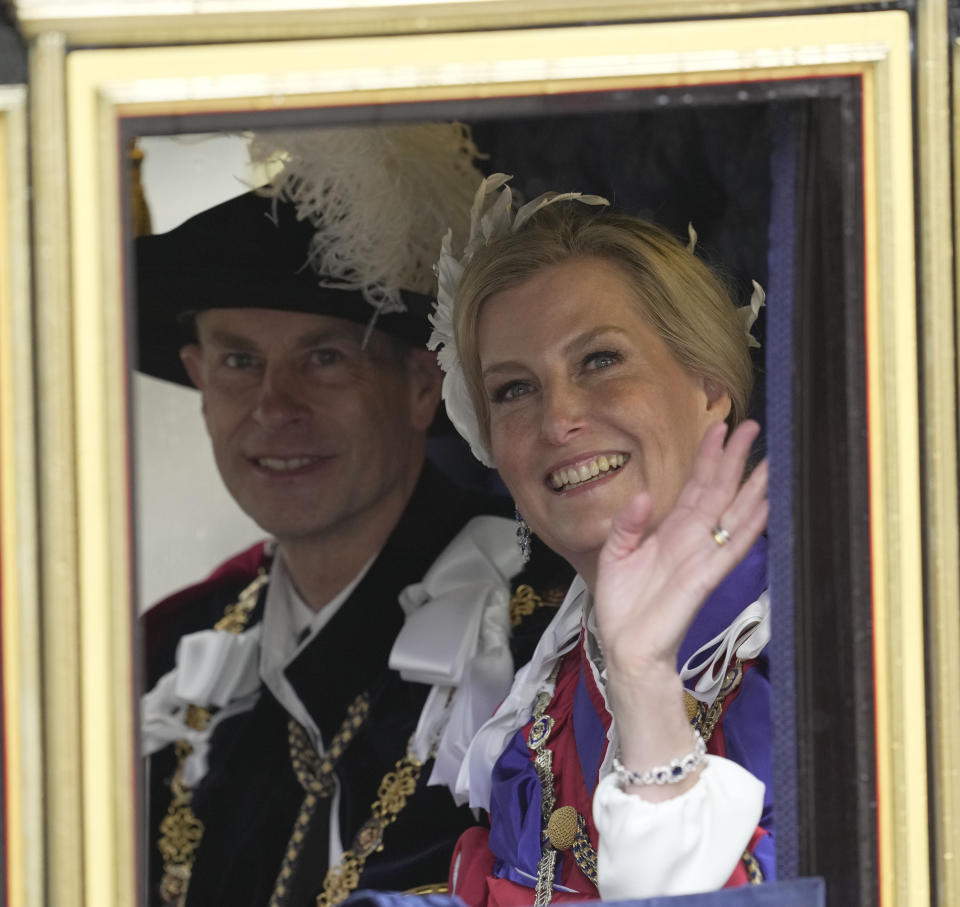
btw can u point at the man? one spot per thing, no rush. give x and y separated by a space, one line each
284 764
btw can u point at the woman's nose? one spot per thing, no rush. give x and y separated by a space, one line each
279 398
564 412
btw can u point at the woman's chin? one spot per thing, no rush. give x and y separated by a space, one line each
580 548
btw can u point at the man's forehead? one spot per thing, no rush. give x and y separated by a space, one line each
260 325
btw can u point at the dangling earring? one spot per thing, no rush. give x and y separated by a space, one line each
523 535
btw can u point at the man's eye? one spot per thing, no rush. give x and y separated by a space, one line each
601 359
239 360
325 357
512 390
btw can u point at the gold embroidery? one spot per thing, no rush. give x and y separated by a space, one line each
754 872
236 616
525 601
197 718
180 830
562 827
704 717
584 852
395 788
180 833
436 888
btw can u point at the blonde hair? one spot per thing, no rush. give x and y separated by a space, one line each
684 301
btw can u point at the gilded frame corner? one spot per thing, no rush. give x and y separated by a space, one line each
102 87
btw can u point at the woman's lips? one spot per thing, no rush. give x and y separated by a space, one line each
589 470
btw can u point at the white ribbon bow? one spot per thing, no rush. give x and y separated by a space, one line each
214 669
473 782
456 637
743 639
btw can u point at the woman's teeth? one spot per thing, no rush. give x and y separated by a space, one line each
585 472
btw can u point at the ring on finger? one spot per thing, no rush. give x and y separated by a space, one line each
720 535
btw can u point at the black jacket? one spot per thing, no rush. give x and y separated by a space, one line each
250 798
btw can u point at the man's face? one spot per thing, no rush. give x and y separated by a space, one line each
312 434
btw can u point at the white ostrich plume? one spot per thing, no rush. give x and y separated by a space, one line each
380 197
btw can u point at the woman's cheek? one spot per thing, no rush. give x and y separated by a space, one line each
511 433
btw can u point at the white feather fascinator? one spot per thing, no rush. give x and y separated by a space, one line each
491 217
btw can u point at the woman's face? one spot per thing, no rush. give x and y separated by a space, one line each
587 404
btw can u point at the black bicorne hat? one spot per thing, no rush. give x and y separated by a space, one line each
249 252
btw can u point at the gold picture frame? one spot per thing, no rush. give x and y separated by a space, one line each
19 593
81 96
141 22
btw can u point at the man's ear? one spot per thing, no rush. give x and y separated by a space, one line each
192 358
426 380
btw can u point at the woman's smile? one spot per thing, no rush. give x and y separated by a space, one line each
587 471
588 406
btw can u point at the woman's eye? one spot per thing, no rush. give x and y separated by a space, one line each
512 390
239 360
601 359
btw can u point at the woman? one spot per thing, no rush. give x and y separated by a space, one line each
598 364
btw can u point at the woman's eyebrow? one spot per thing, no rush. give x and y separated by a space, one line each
508 365
589 337
571 346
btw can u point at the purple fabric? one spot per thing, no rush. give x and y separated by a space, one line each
741 586
746 732
588 731
515 814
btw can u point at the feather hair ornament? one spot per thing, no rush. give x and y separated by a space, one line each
748 313
380 198
491 218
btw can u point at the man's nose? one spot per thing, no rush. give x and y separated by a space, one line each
279 398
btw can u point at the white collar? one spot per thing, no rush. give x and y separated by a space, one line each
289 626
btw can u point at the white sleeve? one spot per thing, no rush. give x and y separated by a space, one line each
688 844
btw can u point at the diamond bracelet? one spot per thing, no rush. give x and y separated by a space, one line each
672 773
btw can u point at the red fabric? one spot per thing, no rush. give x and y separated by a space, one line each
739 876
471 866
163 620
471 877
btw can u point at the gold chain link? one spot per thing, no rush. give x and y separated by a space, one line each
315 774
395 790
